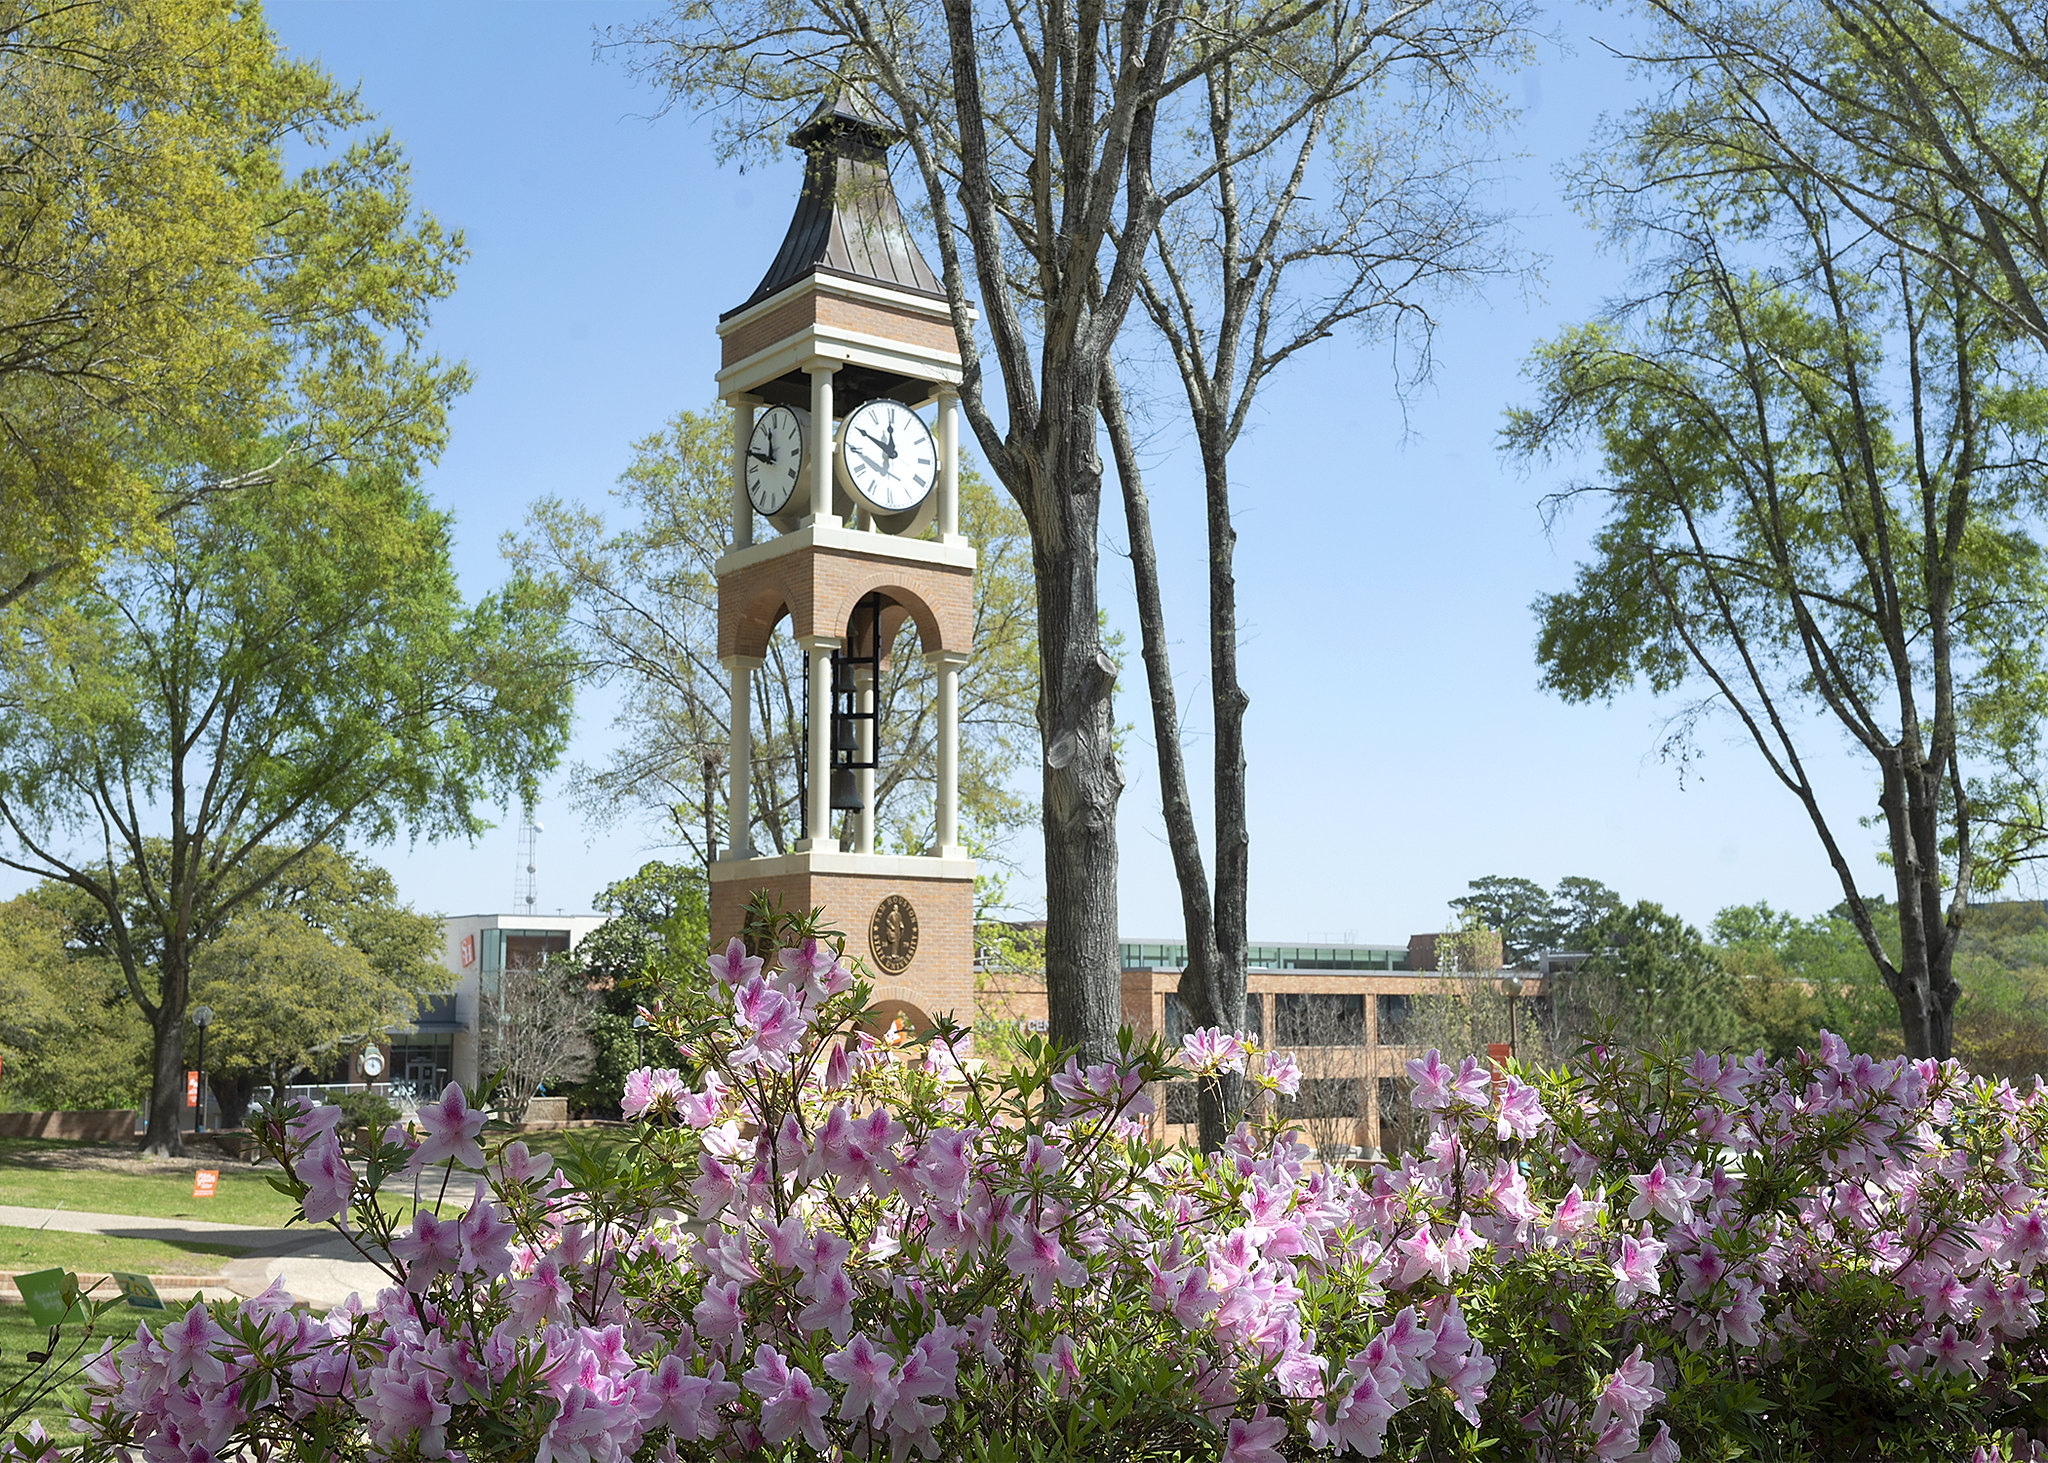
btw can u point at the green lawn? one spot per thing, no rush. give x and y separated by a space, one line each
244 1195
28 1249
19 1336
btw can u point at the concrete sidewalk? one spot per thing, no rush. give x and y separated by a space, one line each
317 1265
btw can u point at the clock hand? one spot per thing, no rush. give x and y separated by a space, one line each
887 450
768 457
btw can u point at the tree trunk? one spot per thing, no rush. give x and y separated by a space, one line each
1205 991
1227 707
1082 779
165 1133
234 1094
1923 982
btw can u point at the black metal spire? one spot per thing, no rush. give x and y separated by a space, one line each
847 221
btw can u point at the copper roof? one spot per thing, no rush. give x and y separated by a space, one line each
847 221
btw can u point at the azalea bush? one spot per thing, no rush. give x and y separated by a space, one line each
818 1244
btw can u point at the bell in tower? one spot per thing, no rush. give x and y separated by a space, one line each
842 371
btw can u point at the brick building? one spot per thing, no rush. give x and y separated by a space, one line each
1343 1009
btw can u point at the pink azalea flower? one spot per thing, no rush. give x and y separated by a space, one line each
1059 1364
831 1307
190 1349
1473 1086
1668 1194
1432 1081
1521 1111
1957 1354
433 1248
734 966
1284 1072
790 1403
1575 1213
517 1166
1209 1050
771 1022
1254 1441
1039 1259
1464 1242
451 1126
404 1402
1421 1255
1635 1269
867 1374
309 1123
328 1178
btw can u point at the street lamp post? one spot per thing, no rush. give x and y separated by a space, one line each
1512 984
639 1025
202 1017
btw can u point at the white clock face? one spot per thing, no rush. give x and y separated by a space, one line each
775 459
887 456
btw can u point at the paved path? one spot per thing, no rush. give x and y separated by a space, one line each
317 1265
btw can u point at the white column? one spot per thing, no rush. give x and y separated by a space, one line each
864 779
742 505
949 464
820 445
739 818
947 663
818 815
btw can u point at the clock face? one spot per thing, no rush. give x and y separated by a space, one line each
775 459
887 456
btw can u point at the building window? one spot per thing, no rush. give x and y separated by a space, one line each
1318 1020
530 949
1174 1022
1393 1017
422 1063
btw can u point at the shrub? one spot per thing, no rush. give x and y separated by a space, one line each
366 1110
822 1245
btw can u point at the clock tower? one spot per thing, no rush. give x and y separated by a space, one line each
842 372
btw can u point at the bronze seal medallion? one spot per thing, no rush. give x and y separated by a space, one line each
892 934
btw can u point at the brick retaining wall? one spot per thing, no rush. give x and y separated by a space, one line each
90 1125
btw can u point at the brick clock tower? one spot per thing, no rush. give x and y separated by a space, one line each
842 372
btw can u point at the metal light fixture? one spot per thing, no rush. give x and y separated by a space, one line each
201 1017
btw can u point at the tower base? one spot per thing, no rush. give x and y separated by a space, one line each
908 922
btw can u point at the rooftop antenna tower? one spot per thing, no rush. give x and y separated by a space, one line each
526 875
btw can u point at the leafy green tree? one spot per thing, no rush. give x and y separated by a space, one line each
322 959
661 907
1651 981
1531 919
1795 978
70 1036
661 904
1578 905
195 718
1520 909
1921 123
644 607
283 994
212 259
1819 458
2002 1018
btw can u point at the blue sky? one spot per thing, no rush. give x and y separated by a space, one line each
1399 745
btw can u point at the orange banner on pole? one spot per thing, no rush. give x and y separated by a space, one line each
191 1089
204 1182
